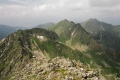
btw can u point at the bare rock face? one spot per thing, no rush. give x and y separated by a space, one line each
55 69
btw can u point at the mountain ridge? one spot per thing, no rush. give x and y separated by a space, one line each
26 47
88 42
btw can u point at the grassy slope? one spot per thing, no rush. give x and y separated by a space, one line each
53 48
62 29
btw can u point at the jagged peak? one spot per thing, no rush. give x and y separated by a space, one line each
67 21
93 20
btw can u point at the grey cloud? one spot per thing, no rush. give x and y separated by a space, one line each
18 2
34 12
5 2
104 3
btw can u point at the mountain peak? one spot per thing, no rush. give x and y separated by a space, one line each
93 20
66 21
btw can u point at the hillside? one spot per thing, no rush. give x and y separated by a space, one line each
100 52
31 47
93 26
117 30
74 35
105 34
42 54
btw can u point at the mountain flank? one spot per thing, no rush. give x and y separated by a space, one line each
66 52
33 52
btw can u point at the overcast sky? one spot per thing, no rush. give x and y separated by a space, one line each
34 12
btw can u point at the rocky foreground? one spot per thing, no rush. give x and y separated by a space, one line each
55 69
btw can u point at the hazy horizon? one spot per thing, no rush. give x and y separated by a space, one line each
35 12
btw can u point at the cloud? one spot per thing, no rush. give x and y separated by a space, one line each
44 7
34 12
5 2
40 7
108 7
1 8
104 3
78 4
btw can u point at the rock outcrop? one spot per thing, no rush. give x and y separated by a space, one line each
55 69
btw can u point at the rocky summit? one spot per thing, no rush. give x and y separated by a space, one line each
58 68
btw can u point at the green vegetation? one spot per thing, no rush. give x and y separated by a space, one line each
106 46
17 48
13 53
69 30
55 49
105 34
62 39
107 65
2 66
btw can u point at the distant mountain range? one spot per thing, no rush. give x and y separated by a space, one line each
46 25
66 50
5 30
